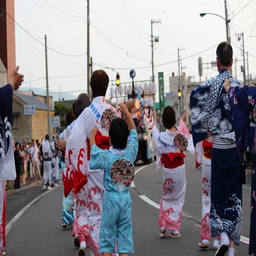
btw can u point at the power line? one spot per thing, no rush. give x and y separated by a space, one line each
163 64
69 55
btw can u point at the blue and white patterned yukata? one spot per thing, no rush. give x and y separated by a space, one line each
116 223
243 105
7 165
210 110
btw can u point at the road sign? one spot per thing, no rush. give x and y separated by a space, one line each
132 73
161 90
29 109
55 121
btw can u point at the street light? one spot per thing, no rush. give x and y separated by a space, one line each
226 20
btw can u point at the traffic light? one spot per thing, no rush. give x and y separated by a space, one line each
179 93
118 82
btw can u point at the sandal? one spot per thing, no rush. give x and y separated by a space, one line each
174 235
2 253
223 248
81 251
203 244
162 232
76 242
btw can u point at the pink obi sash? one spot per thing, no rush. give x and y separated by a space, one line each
173 160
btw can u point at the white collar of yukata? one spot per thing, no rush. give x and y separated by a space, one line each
115 151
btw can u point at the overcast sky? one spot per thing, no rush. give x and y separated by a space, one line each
120 38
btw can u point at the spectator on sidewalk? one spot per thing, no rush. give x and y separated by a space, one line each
22 163
47 162
17 159
35 168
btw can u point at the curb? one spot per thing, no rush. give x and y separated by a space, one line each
33 184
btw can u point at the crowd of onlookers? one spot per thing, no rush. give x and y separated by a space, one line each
28 162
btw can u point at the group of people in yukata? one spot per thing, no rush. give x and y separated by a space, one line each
100 146
97 175
223 117
100 150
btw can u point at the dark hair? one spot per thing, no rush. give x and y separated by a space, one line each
99 83
119 132
47 137
168 117
224 53
81 103
69 118
16 143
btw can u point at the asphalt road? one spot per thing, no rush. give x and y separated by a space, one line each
34 219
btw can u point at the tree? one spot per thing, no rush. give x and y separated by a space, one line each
61 109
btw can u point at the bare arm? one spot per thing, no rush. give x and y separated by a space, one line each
124 110
184 117
92 136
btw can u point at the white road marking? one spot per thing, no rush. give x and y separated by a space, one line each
21 212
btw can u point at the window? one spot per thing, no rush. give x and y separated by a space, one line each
15 120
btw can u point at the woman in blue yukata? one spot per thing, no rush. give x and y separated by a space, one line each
117 163
243 105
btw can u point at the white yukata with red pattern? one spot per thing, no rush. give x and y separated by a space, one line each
89 196
174 179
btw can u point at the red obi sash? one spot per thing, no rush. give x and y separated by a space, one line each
173 160
101 141
207 146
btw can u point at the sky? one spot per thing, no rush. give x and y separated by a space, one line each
120 39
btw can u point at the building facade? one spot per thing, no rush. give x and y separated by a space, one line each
7 38
35 126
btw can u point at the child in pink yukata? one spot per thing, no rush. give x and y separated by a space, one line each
170 147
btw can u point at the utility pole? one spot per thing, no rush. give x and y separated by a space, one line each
248 74
152 57
227 21
88 49
152 47
239 37
244 73
47 87
180 87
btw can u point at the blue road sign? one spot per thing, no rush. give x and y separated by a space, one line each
132 73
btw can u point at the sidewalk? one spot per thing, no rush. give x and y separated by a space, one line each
29 184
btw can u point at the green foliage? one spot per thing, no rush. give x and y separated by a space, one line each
61 109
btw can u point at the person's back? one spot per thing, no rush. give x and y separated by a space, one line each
47 159
117 162
210 110
90 182
210 107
